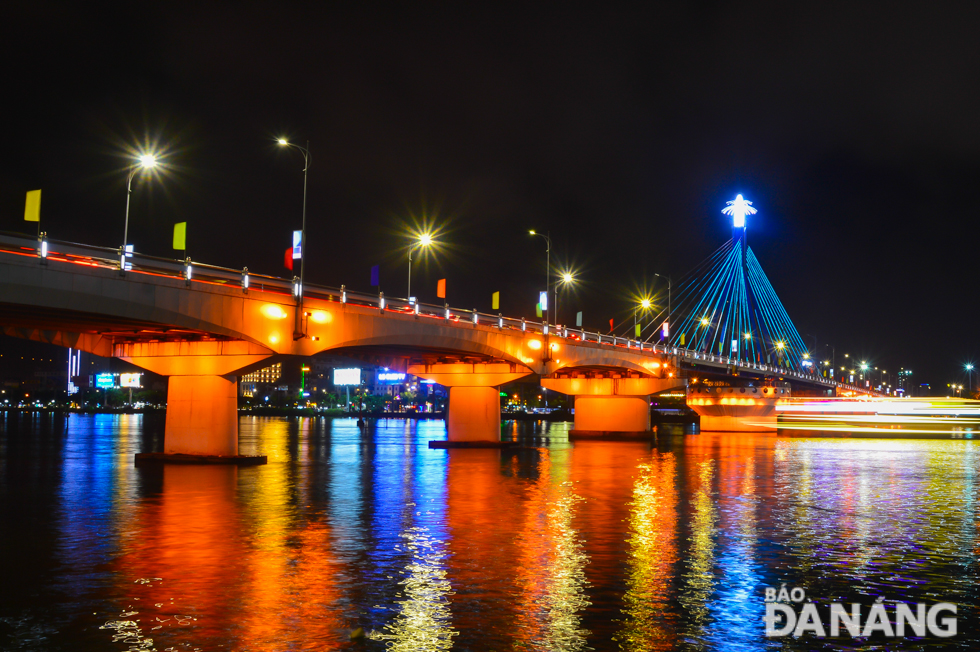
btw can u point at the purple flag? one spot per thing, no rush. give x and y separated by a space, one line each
374 276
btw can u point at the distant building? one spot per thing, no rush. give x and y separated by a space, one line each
250 385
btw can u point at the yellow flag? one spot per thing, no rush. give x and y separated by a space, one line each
32 209
638 330
180 236
496 301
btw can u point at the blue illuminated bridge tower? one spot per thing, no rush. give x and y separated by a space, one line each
727 307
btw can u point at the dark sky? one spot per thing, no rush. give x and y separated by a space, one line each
854 127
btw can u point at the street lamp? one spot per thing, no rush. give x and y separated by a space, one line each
645 304
145 162
969 370
305 151
424 240
547 281
567 278
833 355
668 298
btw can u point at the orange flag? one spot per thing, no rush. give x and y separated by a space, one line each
441 288
289 258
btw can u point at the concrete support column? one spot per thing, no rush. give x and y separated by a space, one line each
202 416
611 408
736 409
474 414
612 413
473 417
202 396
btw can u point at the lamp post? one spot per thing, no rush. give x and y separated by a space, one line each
645 305
547 282
668 297
566 279
969 371
305 151
424 240
833 355
145 162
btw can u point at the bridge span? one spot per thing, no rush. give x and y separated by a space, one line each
202 326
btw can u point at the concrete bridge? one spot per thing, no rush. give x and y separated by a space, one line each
203 326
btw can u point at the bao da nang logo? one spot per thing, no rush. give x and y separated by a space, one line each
790 613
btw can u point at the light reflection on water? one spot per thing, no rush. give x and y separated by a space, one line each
554 546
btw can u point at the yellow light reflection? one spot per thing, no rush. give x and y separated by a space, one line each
320 317
699 578
534 344
652 553
424 621
551 566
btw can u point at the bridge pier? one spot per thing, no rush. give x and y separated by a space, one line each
736 409
611 408
473 418
202 397
202 416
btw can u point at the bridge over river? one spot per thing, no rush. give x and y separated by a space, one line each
202 326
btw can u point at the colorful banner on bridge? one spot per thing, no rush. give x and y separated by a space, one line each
496 301
376 276
288 261
32 208
297 245
441 288
180 236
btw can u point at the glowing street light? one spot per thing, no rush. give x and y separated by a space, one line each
305 151
969 370
738 209
144 162
565 279
423 240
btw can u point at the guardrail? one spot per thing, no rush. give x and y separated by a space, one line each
46 249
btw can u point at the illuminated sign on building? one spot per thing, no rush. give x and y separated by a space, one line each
346 376
391 377
105 381
130 380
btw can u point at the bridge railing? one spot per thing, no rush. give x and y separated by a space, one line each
46 249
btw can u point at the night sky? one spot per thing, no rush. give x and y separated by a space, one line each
853 127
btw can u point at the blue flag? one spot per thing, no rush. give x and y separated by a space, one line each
374 276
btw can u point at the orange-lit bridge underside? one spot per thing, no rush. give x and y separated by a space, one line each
203 334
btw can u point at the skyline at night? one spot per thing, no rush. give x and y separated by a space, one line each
621 135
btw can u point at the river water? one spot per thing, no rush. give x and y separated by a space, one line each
554 546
